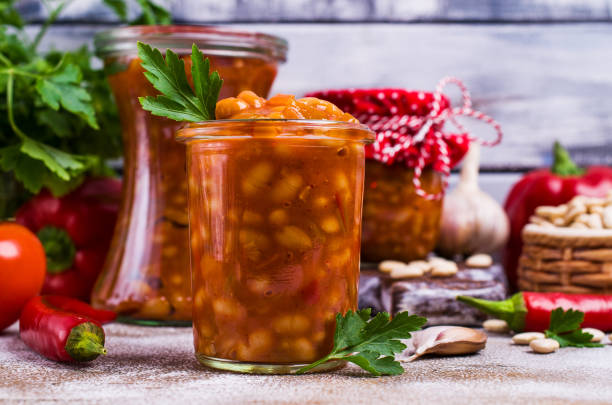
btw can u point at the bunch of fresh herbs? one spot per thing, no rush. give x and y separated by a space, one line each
58 119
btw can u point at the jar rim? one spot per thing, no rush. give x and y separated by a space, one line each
211 40
230 129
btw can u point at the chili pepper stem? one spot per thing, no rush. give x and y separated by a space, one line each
563 164
511 310
85 342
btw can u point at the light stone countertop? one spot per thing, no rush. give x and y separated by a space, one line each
157 365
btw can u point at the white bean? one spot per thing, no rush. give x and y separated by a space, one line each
387 266
480 260
407 271
443 268
544 346
597 334
526 337
495 326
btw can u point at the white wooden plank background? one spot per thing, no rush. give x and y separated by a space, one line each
540 81
350 10
542 68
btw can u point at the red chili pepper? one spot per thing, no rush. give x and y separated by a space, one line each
75 231
553 186
530 311
63 329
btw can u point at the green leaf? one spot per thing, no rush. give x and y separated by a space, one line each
577 338
380 335
206 87
57 122
25 169
376 365
33 173
119 7
565 328
59 162
152 14
63 87
371 343
561 322
9 15
178 100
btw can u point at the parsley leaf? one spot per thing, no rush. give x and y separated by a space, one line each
119 7
177 100
371 343
564 327
151 13
63 87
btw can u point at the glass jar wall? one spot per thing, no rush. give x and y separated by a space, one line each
146 277
398 224
275 219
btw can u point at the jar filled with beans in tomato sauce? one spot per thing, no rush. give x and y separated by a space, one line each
275 198
406 168
146 277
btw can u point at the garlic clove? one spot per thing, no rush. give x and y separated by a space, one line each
445 341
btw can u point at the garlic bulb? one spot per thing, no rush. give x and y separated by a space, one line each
472 221
444 341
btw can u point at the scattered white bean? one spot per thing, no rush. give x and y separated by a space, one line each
480 260
422 264
443 268
495 326
526 337
544 346
597 334
407 271
388 266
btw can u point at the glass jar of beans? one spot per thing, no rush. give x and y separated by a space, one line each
275 220
146 278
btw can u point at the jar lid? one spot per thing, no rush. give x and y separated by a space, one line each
397 116
409 126
180 38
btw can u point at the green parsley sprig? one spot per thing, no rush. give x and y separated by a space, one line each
371 343
565 328
58 118
178 101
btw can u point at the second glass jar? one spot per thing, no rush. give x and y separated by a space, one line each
146 277
398 224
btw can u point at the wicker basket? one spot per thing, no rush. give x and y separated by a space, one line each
566 260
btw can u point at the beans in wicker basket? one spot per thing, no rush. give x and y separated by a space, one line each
581 212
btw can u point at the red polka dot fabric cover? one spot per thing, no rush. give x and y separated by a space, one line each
409 125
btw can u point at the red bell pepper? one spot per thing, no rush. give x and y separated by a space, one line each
75 231
63 329
530 311
553 186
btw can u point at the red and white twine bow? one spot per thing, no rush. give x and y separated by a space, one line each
409 127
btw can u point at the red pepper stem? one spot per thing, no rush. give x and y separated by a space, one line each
511 310
85 342
563 164
59 248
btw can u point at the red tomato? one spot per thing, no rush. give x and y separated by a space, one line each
22 270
